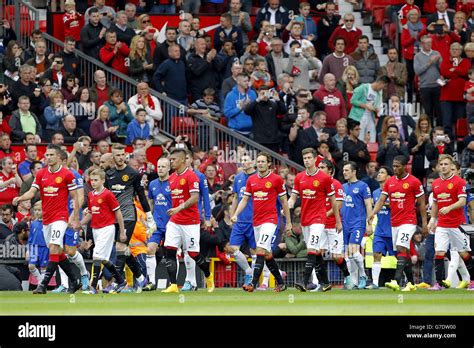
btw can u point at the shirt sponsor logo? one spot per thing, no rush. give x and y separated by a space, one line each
308 192
444 195
118 187
50 189
95 209
398 195
176 192
260 195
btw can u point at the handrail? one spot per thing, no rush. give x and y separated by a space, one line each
173 109
19 23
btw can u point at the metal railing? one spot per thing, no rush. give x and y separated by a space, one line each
201 131
26 19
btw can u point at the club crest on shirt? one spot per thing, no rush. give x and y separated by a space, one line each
182 181
406 185
450 185
356 190
125 178
268 184
58 180
99 200
315 183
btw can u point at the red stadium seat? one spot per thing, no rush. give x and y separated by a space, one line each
462 128
185 126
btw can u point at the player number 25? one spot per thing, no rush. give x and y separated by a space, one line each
404 237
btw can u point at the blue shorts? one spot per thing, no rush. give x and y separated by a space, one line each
71 237
241 232
383 245
353 235
38 255
157 236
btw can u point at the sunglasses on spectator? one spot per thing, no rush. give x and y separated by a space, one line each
348 20
59 62
146 21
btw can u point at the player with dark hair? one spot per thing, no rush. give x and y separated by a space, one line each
356 207
447 214
125 183
314 187
264 188
404 191
382 243
183 228
54 184
335 238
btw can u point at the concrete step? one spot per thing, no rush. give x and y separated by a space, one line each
359 22
383 59
376 43
344 7
366 28
378 50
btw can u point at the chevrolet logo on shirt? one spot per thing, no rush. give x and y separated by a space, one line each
308 192
398 195
51 189
118 187
95 209
176 192
444 195
260 194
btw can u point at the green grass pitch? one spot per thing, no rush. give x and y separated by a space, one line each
238 302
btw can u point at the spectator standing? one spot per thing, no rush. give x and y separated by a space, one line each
338 61
102 128
442 13
274 13
417 142
411 45
12 60
366 106
427 65
69 88
231 81
294 32
170 77
356 149
83 108
5 145
131 12
24 86
161 50
35 167
73 21
299 64
56 73
31 153
346 85
443 39
124 33
440 145
234 106
72 63
106 13
100 89
398 74
324 29
185 39
10 181
455 71
202 68
349 32
40 60
53 113
7 221
141 63
391 147
276 59
93 34
70 131
309 26
240 19
333 100
264 112
228 31
366 60
114 53
24 121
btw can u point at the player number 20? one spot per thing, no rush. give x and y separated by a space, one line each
56 234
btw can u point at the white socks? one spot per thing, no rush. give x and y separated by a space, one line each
190 269
78 260
254 259
64 278
457 264
360 263
151 268
266 276
353 270
241 260
376 269
36 273
315 278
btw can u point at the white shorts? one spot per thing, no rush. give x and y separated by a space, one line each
54 233
450 238
335 241
103 242
314 236
401 235
264 235
183 236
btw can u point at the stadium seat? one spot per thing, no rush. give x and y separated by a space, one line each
462 128
185 126
373 148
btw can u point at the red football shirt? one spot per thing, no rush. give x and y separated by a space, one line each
264 192
313 191
182 185
54 190
102 205
445 193
9 192
339 194
20 217
403 194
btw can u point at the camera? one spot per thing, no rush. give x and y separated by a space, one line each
298 50
390 140
438 28
441 138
